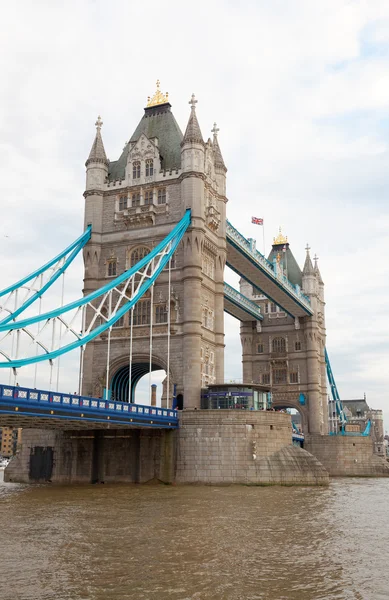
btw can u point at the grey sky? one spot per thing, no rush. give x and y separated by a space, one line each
300 91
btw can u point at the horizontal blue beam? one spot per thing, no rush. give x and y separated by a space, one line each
18 401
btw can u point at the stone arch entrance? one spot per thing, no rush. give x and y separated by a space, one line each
280 401
120 380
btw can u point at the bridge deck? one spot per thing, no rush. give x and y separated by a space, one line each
240 307
25 407
257 270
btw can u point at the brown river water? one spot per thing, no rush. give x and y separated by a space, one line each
119 542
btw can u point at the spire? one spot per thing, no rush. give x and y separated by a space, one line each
97 153
308 266
219 162
193 132
316 270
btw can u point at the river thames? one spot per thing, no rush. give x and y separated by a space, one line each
119 542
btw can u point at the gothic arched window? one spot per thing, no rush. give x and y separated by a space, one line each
142 312
279 373
149 167
279 345
148 198
111 267
137 255
122 202
136 169
161 313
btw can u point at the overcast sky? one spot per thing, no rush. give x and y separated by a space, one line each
300 92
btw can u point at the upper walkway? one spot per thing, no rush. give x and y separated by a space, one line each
25 407
240 307
246 261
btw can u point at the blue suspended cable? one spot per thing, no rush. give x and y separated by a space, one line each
179 230
47 285
174 237
82 240
334 389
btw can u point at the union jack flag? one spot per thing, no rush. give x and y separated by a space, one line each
257 221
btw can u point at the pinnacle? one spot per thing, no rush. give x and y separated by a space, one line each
219 162
317 271
97 153
193 131
308 266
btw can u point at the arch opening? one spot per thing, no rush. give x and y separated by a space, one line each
120 382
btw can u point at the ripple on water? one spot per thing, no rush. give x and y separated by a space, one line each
191 542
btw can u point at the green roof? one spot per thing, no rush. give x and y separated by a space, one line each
289 263
157 122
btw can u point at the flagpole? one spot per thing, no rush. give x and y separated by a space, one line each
263 235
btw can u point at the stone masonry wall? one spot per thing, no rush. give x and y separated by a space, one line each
130 455
231 446
345 456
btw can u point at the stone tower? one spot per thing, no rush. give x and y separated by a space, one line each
132 204
287 352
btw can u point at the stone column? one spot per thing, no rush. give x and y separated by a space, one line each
246 336
313 365
154 395
219 318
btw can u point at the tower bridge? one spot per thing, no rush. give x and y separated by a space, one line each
155 248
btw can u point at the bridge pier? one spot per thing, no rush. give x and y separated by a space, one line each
98 457
94 456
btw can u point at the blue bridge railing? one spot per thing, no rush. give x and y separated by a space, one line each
27 402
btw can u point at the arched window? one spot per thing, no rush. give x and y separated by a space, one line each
136 169
142 312
138 254
279 345
161 313
111 267
149 167
148 198
162 196
279 373
122 202
135 199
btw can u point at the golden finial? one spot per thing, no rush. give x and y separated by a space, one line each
158 97
280 239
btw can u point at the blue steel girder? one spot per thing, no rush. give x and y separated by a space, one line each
259 272
334 390
127 289
26 407
240 307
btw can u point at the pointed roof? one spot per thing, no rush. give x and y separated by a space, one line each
193 131
219 162
308 266
316 270
97 153
157 122
289 264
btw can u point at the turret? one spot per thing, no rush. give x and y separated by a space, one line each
96 174
97 163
